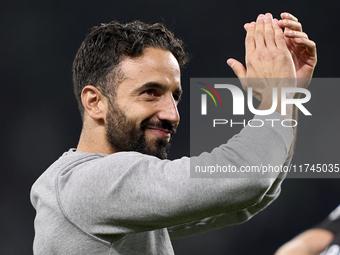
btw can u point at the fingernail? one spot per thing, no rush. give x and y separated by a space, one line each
252 23
230 63
269 15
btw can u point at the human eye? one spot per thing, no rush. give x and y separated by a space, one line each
176 97
150 94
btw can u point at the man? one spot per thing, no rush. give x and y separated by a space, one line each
116 193
323 239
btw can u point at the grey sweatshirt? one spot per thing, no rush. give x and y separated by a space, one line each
131 203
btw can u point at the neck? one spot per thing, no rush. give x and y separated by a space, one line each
94 140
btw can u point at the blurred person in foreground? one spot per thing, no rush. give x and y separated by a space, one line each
323 239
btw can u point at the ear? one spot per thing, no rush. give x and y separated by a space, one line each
94 102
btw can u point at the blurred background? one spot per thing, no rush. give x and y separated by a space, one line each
40 119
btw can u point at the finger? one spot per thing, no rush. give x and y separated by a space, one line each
309 45
287 15
250 42
259 32
246 26
290 24
269 31
279 38
295 34
237 67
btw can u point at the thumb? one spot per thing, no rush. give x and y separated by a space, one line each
237 67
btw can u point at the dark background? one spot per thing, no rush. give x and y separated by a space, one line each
40 120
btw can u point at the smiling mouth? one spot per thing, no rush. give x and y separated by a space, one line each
161 131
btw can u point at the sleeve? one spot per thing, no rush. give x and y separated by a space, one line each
332 222
227 219
130 192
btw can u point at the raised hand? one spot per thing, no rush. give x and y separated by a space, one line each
302 49
267 57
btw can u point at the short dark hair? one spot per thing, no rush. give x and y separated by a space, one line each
103 48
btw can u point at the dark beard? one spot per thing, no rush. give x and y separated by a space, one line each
124 135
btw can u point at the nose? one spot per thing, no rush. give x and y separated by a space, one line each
168 110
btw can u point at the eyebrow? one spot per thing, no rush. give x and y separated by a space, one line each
162 87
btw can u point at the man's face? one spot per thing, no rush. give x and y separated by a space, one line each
143 115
